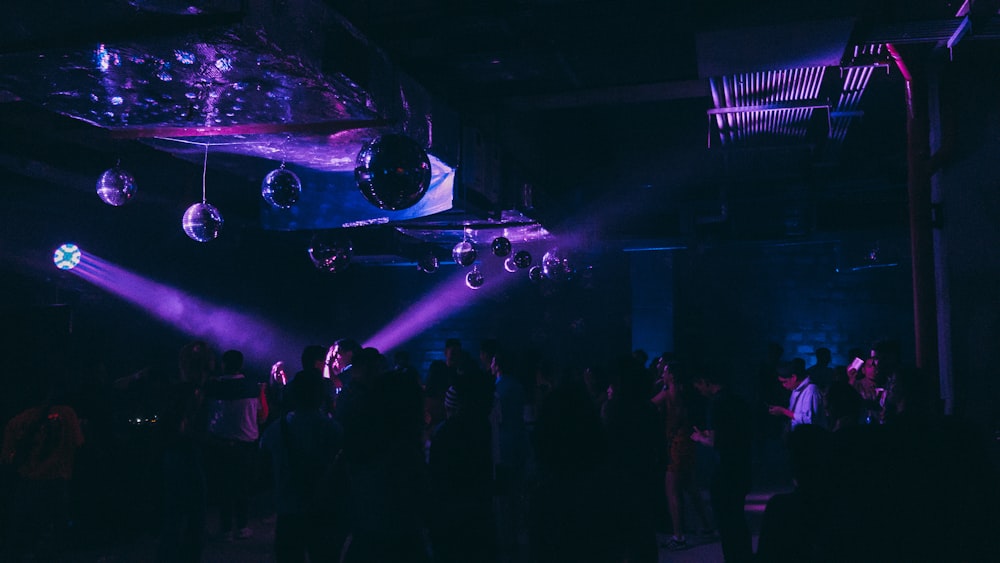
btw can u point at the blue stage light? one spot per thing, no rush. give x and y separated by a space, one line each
67 256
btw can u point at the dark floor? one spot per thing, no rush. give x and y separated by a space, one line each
258 548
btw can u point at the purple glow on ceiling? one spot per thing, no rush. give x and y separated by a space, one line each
196 317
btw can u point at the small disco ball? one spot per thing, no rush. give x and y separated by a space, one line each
202 222
330 255
464 253
281 188
67 256
501 246
535 274
556 266
428 263
475 279
116 186
522 259
393 172
509 264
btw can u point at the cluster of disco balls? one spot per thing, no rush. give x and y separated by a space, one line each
393 172
201 221
556 266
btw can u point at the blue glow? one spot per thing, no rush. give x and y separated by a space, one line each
102 57
67 256
184 57
334 201
224 64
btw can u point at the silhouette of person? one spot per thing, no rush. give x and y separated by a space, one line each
303 447
729 434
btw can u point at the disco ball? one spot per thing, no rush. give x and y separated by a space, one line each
428 263
116 186
501 246
475 279
331 255
202 222
67 256
281 188
522 259
556 266
509 264
464 254
393 172
535 273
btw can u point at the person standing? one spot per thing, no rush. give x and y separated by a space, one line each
303 447
236 407
39 448
805 405
729 435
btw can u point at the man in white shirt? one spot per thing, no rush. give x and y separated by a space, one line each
805 405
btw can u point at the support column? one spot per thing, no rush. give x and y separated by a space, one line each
915 71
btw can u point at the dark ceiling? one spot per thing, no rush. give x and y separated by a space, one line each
636 123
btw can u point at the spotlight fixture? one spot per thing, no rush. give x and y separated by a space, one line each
202 221
281 188
67 256
116 186
393 172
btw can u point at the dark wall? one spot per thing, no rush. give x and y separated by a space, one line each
730 301
971 202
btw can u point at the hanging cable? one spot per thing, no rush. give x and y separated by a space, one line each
204 175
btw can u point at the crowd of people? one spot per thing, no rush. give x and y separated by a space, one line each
496 456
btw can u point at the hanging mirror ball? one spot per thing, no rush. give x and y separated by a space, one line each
501 246
202 222
330 254
522 259
556 266
393 172
116 186
464 253
428 263
509 264
281 188
475 279
535 274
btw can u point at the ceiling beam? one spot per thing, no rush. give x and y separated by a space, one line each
641 93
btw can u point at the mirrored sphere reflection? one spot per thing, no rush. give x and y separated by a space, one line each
509 264
522 259
428 263
501 246
535 273
202 222
475 279
464 253
116 186
281 188
331 254
393 172
557 266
